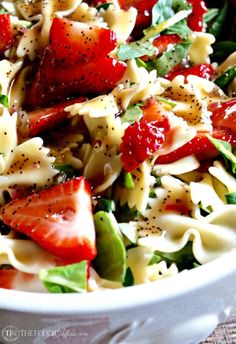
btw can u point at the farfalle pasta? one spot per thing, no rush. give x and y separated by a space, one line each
117 143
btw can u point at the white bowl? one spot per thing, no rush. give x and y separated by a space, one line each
183 309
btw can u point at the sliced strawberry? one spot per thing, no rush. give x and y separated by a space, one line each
6 34
224 114
144 8
145 137
195 19
59 219
200 146
78 42
202 70
56 81
17 280
41 120
163 41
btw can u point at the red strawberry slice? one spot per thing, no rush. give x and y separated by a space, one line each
59 219
195 19
224 114
144 8
17 280
6 34
145 137
205 71
55 80
41 120
163 41
200 146
77 42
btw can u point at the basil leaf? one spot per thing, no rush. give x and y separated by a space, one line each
132 114
162 11
217 26
129 278
169 59
135 49
224 79
211 14
181 28
65 279
4 100
226 150
230 198
110 262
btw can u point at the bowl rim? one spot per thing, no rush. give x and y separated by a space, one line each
110 300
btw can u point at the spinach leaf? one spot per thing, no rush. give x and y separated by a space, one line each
210 15
135 49
169 59
162 11
223 49
230 198
132 114
129 278
181 28
4 100
110 262
65 279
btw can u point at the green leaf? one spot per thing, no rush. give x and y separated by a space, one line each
132 114
210 15
230 198
67 169
169 59
162 11
65 279
184 258
104 6
110 262
181 28
125 214
106 205
135 49
140 63
129 278
226 151
154 30
217 26
4 100
179 5
224 79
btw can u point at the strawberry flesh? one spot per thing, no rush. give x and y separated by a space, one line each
6 35
59 219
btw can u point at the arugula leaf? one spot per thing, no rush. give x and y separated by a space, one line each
4 100
224 79
110 262
184 258
226 151
135 49
132 114
169 59
129 278
162 11
211 14
230 198
217 26
65 279
181 28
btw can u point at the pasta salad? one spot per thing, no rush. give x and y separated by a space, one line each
117 141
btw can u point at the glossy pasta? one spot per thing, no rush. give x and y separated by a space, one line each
177 202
